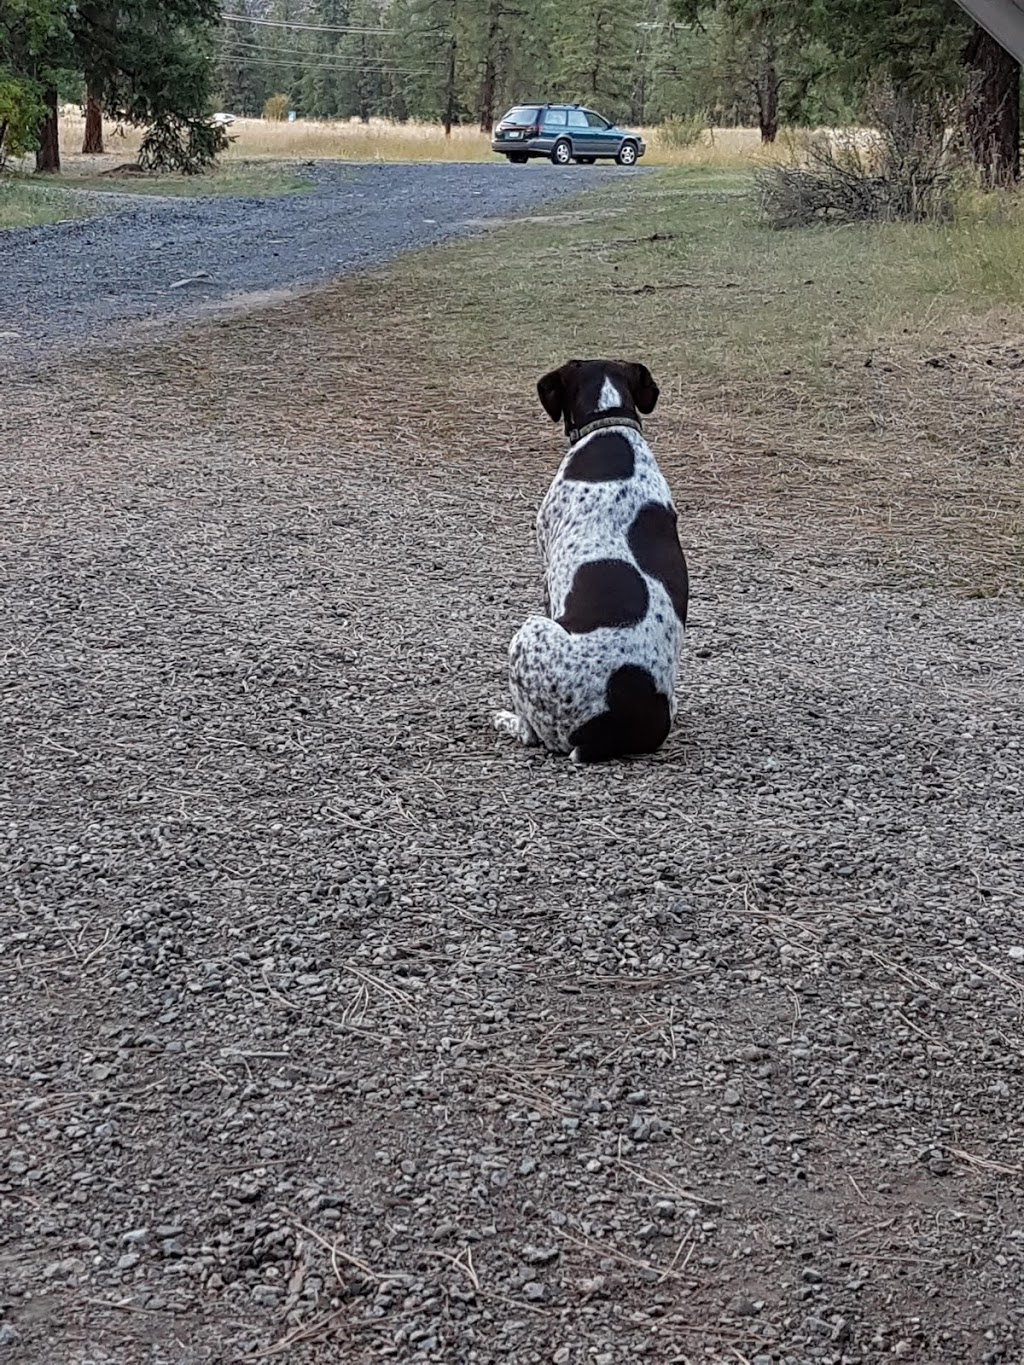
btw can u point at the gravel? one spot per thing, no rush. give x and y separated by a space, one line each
86 279
335 1027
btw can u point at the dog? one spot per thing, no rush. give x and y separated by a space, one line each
595 677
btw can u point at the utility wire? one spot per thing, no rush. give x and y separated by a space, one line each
309 28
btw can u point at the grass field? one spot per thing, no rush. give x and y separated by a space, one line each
255 141
383 140
27 204
862 384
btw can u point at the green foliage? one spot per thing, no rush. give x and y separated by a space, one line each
677 131
34 44
594 45
182 146
21 109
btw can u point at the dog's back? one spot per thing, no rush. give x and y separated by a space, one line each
597 676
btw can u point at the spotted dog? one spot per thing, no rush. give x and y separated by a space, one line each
595 677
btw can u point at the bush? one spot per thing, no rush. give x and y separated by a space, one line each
276 108
906 172
21 110
182 145
676 131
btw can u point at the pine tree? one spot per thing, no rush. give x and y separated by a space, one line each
152 63
35 49
595 51
242 75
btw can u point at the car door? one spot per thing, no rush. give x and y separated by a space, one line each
580 132
603 141
552 129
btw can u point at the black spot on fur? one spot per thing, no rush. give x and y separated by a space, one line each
605 458
655 544
636 722
605 593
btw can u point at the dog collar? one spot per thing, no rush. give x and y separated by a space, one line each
599 423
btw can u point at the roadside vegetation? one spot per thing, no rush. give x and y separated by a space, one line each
862 383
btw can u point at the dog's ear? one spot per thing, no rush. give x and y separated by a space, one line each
551 390
642 387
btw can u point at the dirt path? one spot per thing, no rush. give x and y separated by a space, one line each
152 261
337 1029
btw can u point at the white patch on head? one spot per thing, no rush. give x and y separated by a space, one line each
609 397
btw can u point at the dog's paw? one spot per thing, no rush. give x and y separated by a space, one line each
508 723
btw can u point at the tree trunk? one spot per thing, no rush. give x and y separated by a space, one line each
449 94
487 82
993 109
48 151
92 143
768 95
489 76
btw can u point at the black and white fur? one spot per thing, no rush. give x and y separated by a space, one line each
596 676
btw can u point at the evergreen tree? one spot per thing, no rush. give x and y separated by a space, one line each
35 50
595 49
243 77
152 63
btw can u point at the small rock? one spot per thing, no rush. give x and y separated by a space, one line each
744 1308
731 1098
128 1261
1016 953
9 1336
535 1291
63 1270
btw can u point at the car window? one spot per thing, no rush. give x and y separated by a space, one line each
522 113
595 120
577 118
555 117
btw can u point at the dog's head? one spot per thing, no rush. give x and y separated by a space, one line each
582 390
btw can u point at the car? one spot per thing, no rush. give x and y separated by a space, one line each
564 133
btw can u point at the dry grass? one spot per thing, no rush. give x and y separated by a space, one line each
848 389
383 140
864 387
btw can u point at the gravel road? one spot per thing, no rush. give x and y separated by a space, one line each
337 1028
85 280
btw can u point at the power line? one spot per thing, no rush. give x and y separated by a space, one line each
309 28
240 49
383 69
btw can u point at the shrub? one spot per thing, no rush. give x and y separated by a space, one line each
676 131
907 171
276 108
20 112
187 146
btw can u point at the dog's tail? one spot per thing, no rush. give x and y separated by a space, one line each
637 720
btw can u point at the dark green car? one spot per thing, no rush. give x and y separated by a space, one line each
564 133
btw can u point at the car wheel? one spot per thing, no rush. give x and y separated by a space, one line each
561 152
518 158
586 160
627 154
